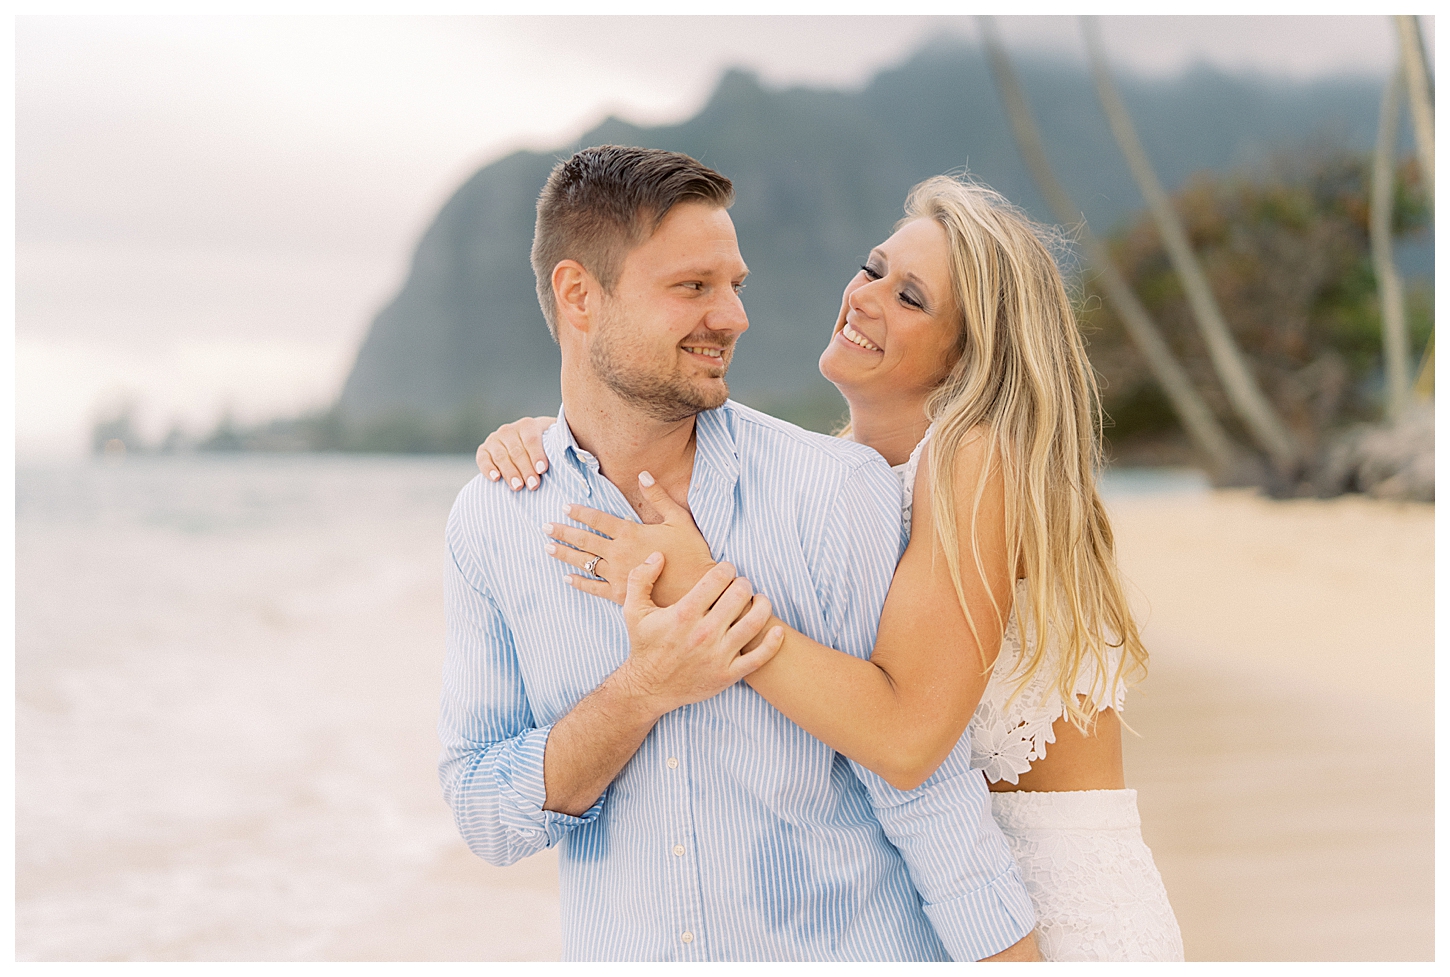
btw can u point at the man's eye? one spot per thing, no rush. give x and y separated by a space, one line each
739 287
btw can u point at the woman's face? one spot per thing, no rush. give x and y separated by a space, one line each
898 326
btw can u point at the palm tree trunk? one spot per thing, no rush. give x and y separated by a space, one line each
1381 240
1197 419
1243 391
1422 112
1422 101
1425 381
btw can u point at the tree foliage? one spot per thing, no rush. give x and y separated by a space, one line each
1287 254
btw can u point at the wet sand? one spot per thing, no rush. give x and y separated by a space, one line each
226 751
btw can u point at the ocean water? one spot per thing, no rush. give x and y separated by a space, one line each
227 672
226 686
1131 483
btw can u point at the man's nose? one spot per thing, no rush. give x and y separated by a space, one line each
729 315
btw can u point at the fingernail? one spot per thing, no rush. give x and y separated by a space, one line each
540 466
645 478
493 476
568 510
550 548
517 483
548 529
654 558
532 482
777 631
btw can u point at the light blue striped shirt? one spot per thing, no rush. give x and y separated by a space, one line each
731 834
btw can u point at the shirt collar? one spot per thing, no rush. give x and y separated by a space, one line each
715 443
567 459
713 496
712 483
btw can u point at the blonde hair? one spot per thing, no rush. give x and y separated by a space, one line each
1023 375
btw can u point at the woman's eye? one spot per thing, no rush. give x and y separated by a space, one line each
871 273
911 301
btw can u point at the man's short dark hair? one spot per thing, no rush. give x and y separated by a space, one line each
603 202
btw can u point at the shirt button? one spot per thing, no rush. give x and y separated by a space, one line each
679 849
672 763
686 937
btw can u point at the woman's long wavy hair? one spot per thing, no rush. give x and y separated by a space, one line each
1022 376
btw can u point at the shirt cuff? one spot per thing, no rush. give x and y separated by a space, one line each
520 778
986 921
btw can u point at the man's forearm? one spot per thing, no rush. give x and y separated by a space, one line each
592 743
960 863
1023 951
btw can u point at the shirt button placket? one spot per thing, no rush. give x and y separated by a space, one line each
684 870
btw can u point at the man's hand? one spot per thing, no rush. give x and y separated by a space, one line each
677 655
690 650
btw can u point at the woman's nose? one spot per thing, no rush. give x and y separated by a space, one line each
866 298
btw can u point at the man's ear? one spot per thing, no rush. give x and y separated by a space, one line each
573 288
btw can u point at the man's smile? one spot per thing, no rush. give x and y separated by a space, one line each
713 353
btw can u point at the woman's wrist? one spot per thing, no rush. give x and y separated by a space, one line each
759 637
676 582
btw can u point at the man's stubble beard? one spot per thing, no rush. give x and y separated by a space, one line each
664 395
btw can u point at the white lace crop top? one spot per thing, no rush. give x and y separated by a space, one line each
1006 736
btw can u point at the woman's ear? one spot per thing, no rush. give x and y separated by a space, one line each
572 285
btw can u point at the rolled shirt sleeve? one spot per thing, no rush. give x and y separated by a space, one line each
492 764
970 885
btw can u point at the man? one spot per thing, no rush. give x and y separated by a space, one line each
698 823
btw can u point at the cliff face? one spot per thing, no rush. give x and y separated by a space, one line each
465 330
820 178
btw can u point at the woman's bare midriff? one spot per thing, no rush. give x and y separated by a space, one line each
1075 761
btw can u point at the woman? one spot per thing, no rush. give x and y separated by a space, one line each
959 355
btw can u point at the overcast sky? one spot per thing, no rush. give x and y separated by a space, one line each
209 211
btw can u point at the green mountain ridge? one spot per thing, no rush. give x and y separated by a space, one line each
820 178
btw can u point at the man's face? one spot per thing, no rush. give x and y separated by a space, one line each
665 337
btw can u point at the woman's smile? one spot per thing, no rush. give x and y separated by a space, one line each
856 339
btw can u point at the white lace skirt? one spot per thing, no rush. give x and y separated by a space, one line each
1092 880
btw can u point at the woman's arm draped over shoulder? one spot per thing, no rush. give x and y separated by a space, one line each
515 453
900 713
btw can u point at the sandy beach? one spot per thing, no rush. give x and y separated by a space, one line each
1285 766
225 739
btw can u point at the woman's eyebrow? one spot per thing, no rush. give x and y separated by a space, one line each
920 287
926 298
